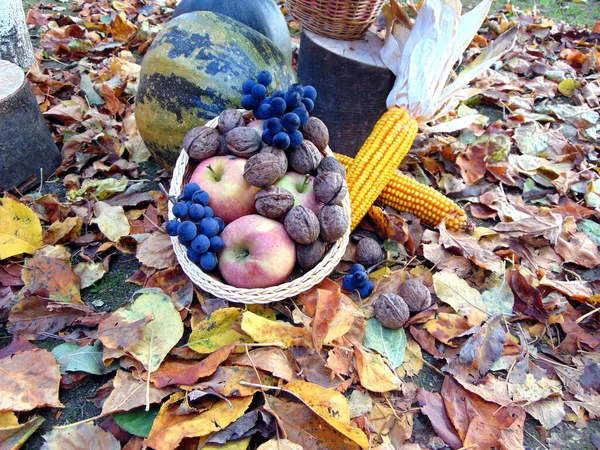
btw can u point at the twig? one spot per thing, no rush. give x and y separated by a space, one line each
149 370
585 316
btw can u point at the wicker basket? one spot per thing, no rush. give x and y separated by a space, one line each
346 20
212 284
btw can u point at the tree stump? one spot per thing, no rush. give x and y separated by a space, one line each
352 85
15 44
27 150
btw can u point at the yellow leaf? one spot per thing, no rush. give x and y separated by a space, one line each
380 273
280 444
13 436
111 220
446 327
413 360
268 331
456 292
567 86
238 444
169 428
263 311
373 373
20 229
8 419
331 406
216 331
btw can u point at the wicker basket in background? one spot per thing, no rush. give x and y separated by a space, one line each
209 283
346 20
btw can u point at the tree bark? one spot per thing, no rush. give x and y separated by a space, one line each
352 86
27 151
15 43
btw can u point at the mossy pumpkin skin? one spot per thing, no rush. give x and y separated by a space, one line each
194 70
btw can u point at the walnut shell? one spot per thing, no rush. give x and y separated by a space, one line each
316 132
305 158
261 170
330 188
368 252
243 142
281 156
201 142
302 225
334 222
415 294
230 119
391 311
309 255
273 201
331 164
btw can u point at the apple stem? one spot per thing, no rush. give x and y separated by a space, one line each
217 177
244 254
305 183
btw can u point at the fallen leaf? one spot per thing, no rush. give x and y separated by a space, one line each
499 299
548 226
577 290
389 343
60 232
12 434
29 380
279 444
111 220
169 429
122 30
216 331
359 403
432 406
445 327
470 248
272 360
266 331
528 300
314 366
395 428
21 229
456 292
567 87
89 273
413 360
373 373
549 412
579 249
156 251
236 381
138 421
79 437
472 163
251 423
390 226
120 329
326 307
73 358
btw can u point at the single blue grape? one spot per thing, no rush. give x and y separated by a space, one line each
274 125
200 244
247 86
278 93
171 227
266 101
309 104
291 121
310 93
201 197
302 115
264 77
221 223
187 230
348 283
208 262
360 279
367 289
193 255
196 211
281 140
180 210
278 106
183 242
249 102
267 137
296 138
208 212
296 88
263 112
292 99
259 91
216 244
357 268
209 227
189 190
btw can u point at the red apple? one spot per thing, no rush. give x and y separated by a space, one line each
223 178
258 253
301 188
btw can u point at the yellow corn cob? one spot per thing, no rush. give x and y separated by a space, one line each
406 194
376 162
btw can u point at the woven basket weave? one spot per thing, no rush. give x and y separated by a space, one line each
339 19
209 283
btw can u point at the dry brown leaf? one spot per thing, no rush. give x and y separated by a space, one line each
156 251
227 381
579 249
29 380
471 249
119 332
472 163
391 226
60 232
82 436
432 406
577 290
272 360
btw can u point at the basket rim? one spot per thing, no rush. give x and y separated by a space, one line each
270 294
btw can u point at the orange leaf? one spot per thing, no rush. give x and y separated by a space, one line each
390 226
373 373
472 163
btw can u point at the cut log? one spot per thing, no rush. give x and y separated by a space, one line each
27 150
352 85
15 43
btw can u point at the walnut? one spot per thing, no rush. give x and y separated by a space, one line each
330 187
334 222
415 294
331 164
201 142
309 255
261 170
368 252
274 201
391 311
230 119
281 157
222 150
302 225
316 132
243 142
305 158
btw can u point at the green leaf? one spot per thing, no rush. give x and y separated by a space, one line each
389 343
499 299
138 421
592 229
87 87
73 358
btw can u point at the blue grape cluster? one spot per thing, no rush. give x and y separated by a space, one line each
358 280
283 112
197 227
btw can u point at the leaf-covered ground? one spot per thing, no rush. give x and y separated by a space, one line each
507 356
